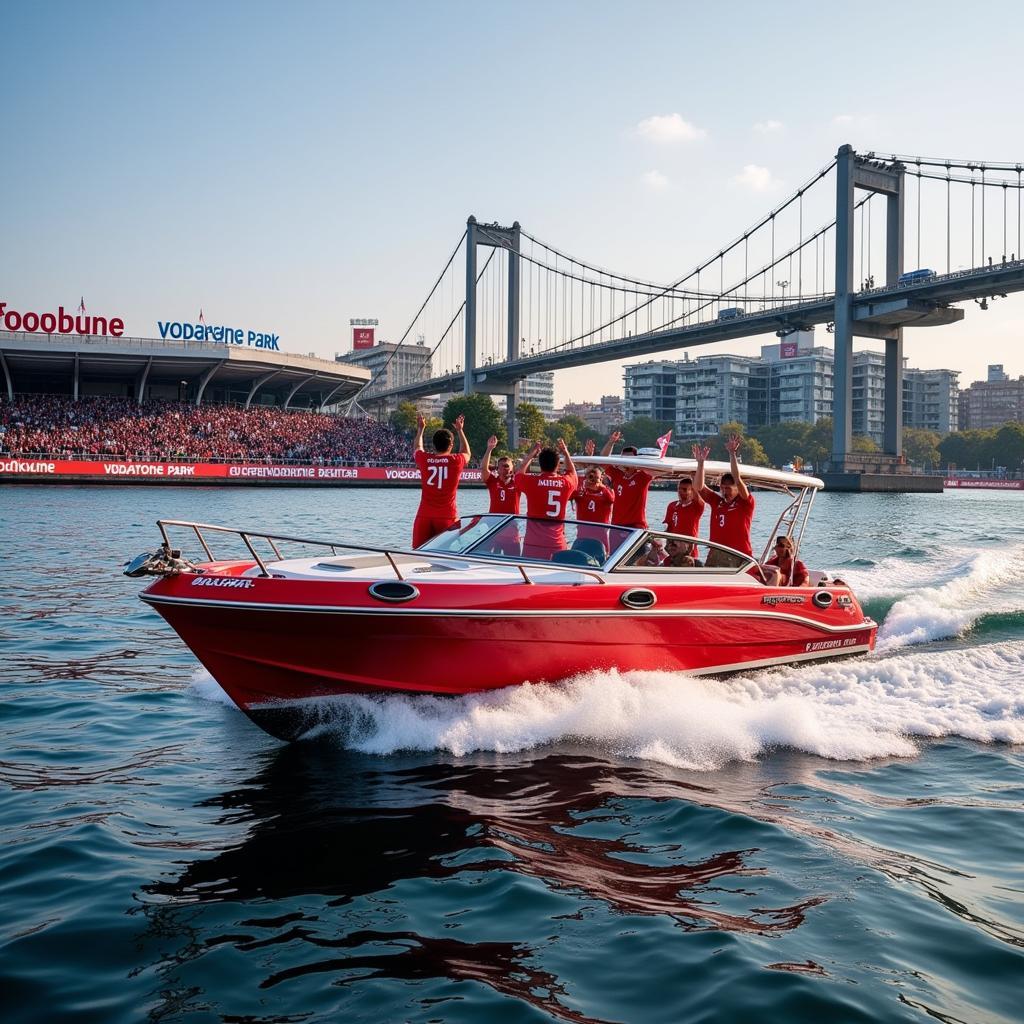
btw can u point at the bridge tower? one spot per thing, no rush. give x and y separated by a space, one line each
857 172
498 237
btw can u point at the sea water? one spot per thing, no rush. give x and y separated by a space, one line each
840 841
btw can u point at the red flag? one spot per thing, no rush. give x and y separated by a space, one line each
81 304
202 319
663 443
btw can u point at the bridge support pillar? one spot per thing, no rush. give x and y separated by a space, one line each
842 383
469 356
893 440
512 400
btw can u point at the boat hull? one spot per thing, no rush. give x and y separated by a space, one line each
276 654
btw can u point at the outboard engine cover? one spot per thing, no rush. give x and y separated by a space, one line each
164 561
140 565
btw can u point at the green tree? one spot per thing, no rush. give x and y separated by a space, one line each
864 445
483 418
532 425
404 417
643 431
1009 446
752 453
819 444
570 428
921 447
784 442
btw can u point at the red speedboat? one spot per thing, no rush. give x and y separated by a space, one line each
466 613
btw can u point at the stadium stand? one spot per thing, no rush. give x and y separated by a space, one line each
118 428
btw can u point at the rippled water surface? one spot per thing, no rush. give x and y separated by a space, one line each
831 842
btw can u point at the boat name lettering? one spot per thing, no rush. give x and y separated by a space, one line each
221 581
844 601
775 599
829 645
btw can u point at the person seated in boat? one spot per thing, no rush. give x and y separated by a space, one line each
732 511
440 472
547 498
504 498
683 515
785 571
594 501
630 486
680 555
650 556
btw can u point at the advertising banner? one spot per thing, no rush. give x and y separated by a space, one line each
991 485
179 471
788 350
362 337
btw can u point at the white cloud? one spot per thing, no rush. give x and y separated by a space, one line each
757 179
669 128
654 179
767 127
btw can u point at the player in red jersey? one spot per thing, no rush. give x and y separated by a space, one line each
501 485
547 498
440 471
732 511
594 501
504 497
683 515
630 487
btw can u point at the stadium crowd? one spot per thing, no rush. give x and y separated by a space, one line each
119 428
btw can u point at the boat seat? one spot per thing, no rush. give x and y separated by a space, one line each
574 558
590 546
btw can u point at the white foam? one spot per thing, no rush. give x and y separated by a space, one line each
869 707
849 710
985 582
205 687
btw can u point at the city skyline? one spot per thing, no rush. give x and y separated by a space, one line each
294 200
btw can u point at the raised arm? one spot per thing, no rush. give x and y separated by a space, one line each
564 449
611 442
485 462
527 459
732 447
700 453
417 445
460 422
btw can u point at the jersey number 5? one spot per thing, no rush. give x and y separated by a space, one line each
436 476
554 509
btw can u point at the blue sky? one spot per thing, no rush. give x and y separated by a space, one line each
290 166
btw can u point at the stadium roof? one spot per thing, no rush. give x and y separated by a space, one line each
77 364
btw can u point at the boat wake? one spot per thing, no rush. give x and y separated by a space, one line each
851 710
942 599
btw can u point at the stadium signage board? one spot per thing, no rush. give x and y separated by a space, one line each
115 469
179 330
61 322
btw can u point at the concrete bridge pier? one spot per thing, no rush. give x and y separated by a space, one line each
507 238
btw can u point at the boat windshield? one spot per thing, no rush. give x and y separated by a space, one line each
519 539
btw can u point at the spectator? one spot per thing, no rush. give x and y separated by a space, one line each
119 428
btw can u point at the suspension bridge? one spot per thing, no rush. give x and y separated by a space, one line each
834 252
